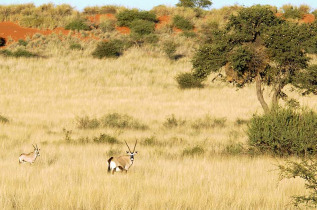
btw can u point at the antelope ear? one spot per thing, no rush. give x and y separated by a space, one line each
136 152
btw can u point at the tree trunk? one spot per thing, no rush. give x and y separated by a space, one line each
259 94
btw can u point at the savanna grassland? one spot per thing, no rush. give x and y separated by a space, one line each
192 144
44 96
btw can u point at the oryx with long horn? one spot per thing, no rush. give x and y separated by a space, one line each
30 157
122 163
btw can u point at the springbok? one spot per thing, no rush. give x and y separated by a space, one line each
30 157
122 163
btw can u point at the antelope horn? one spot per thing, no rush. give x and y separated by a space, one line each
127 145
33 146
36 146
136 141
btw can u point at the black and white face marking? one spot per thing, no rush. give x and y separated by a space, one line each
132 155
37 152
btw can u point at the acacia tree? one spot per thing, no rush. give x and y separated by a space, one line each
194 3
258 47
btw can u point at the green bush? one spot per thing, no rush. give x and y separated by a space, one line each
87 123
18 53
33 21
126 17
193 151
292 12
113 48
189 34
142 27
78 24
188 80
104 138
116 120
284 132
182 23
22 42
2 41
75 46
305 170
234 148
172 122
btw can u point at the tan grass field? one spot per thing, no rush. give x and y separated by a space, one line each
41 97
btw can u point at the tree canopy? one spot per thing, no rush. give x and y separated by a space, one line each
256 46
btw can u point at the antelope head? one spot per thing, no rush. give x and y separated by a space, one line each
36 150
133 152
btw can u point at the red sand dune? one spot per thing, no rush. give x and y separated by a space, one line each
16 32
123 30
308 18
163 20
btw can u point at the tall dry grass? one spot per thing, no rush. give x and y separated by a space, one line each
43 96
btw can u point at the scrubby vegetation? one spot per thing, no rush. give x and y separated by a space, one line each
284 132
111 49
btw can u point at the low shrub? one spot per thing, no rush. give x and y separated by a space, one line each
193 151
182 23
169 47
104 138
149 141
75 46
172 122
234 148
22 42
111 49
78 25
142 27
188 80
18 53
209 122
189 34
126 17
87 123
32 21
284 132
116 120
240 122
306 170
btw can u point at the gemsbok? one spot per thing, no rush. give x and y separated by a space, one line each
30 157
122 163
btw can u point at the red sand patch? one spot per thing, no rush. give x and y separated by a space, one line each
308 18
123 30
16 32
163 20
96 18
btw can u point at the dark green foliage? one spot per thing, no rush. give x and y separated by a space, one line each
2 41
22 42
306 169
78 24
194 3
284 132
188 80
87 123
104 138
3 119
151 38
126 17
142 27
193 151
306 80
116 120
18 53
111 49
182 23
209 58
240 122
75 46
